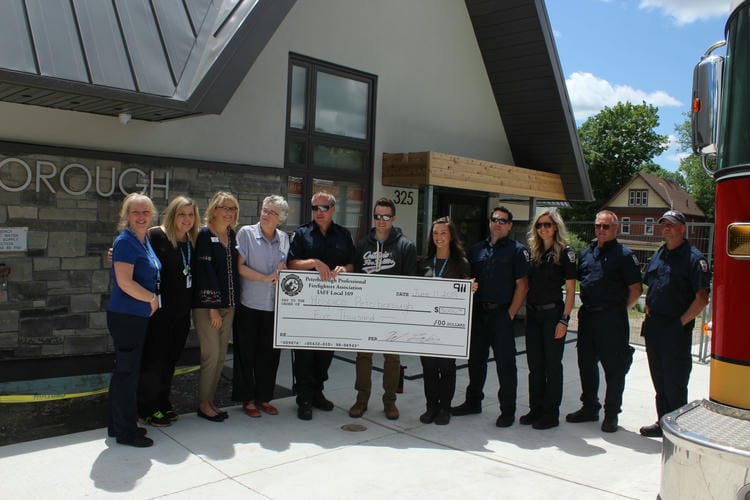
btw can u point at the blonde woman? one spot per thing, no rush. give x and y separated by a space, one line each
553 266
174 244
134 298
217 288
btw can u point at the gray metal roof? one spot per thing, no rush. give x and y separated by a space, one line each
515 38
171 58
153 59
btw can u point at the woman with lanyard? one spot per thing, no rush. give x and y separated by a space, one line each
263 251
216 293
547 317
446 258
169 326
135 297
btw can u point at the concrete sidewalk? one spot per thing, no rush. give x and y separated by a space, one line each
282 457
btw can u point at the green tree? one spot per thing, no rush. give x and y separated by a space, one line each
615 142
699 184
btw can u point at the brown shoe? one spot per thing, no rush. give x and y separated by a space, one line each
267 408
359 409
251 410
391 412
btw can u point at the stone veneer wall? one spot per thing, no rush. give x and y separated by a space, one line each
54 302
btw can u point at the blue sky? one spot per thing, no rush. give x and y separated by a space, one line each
635 50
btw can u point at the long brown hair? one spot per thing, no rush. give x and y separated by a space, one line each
170 219
456 248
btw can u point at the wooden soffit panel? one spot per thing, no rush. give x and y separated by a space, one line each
440 169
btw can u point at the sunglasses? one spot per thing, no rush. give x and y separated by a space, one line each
546 225
499 220
382 217
603 226
228 209
322 208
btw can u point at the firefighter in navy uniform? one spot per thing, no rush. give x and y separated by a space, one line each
678 280
610 285
501 267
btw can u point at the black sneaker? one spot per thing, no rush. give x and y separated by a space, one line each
428 417
466 408
609 424
137 441
139 431
505 420
172 415
529 418
443 417
546 422
304 411
157 419
582 415
321 403
652 431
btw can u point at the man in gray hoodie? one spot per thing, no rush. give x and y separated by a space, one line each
384 251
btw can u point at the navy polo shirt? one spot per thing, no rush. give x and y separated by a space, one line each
547 277
335 248
606 273
497 267
674 277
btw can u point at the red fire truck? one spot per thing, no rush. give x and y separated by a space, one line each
706 452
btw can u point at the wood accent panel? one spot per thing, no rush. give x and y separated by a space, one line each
440 169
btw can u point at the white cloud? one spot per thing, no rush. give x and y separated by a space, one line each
688 11
589 94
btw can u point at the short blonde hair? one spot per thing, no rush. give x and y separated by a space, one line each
125 208
323 194
218 200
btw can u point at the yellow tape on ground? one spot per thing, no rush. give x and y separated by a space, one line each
40 398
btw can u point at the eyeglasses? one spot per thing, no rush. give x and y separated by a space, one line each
602 226
228 209
540 225
499 220
322 208
382 217
269 212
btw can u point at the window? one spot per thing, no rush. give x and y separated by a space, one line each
649 227
638 197
329 139
625 225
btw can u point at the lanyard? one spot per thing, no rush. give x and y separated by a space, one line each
434 268
151 257
185 260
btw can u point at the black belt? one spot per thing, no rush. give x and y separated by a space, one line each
543 307
594 309
491 306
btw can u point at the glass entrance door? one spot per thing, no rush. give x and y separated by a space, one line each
468 214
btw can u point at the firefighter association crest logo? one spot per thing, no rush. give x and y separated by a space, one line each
291 285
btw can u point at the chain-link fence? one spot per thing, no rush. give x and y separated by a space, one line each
645 239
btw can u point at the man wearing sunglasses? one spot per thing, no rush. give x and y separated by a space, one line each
678 279
501 267
610 285
326 247
384 251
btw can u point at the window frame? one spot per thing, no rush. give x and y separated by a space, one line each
625 225
648 226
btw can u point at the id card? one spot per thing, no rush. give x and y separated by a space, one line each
189 281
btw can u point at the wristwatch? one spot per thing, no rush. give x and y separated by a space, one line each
566 317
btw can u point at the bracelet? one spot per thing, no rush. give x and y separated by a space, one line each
563 322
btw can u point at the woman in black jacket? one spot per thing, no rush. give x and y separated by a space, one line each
446 258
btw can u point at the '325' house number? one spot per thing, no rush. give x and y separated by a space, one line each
403 197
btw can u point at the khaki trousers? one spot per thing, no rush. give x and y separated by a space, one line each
391 372
213 349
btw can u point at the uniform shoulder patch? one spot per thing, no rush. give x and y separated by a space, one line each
526 254
571 255
704 265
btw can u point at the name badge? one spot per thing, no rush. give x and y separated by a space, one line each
189 281
214 239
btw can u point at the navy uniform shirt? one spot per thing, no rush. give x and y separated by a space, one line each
606 273
335 248
497 267
674 277
547 277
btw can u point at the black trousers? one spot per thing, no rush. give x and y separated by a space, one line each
255 360
544 355
165 340
668 345
128 334
603 336
439 381
310 370
493 329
